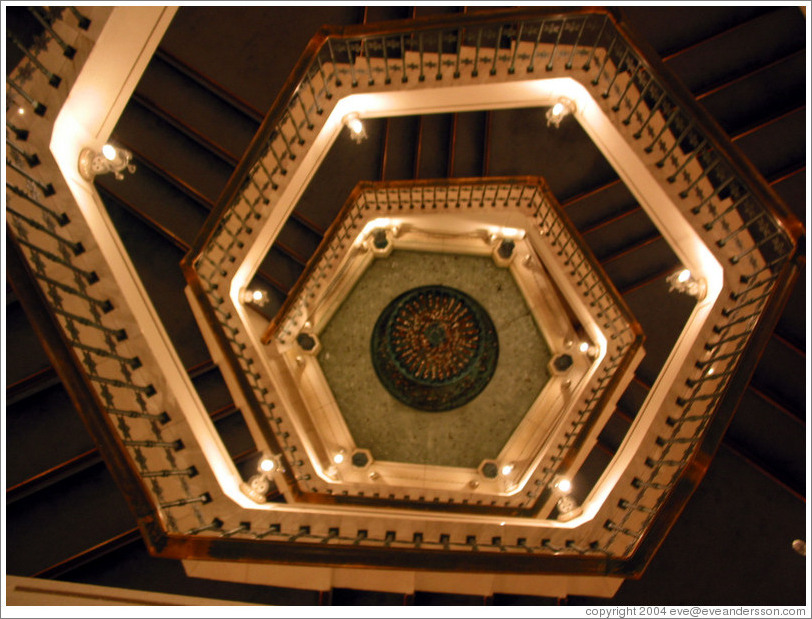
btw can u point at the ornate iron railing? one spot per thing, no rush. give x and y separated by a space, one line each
713 188
57 263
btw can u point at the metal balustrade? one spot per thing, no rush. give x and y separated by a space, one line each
49 233
713 187
503 196
718 193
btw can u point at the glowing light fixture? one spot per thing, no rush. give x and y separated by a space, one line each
257 297
685 282
584 347
109 152
357 131
20 111
558 111
267 465
338 458
507 469
111 159
564 485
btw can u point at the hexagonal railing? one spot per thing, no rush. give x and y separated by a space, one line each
547 260
717 213
705 199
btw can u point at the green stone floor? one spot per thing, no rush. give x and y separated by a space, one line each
461 437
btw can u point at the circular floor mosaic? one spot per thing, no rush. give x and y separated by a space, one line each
434 348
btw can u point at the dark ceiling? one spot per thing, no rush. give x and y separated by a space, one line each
215 75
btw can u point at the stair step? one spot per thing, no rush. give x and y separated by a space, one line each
744 103
64 439
262 45
343 166
740 50
186 129
282 269
792 324
566 157
590 472
434 145
614 431
299 241
781 450
469 144
173 152
638 262
212 389
671 29
153 256
235 434
150 194
20 336
625 229
771 148
779 371
377 13
792 189
631 400
662 315
401 148
599 203
184 97
34 544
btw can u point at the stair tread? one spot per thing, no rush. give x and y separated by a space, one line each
20 336
172 151
781 450
740 50
199 107
743 103
281 268
566 157
153 257
83 496
212 390
627 229
435 136
779 369
793 191
771 147
150 194
792 323
253 66
65 438
299 240
686 26
401 148
468 146
662 315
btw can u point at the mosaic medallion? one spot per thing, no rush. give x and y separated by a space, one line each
434 348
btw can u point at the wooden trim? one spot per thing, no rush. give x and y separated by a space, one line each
452 146
90 554
418 148
56 473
